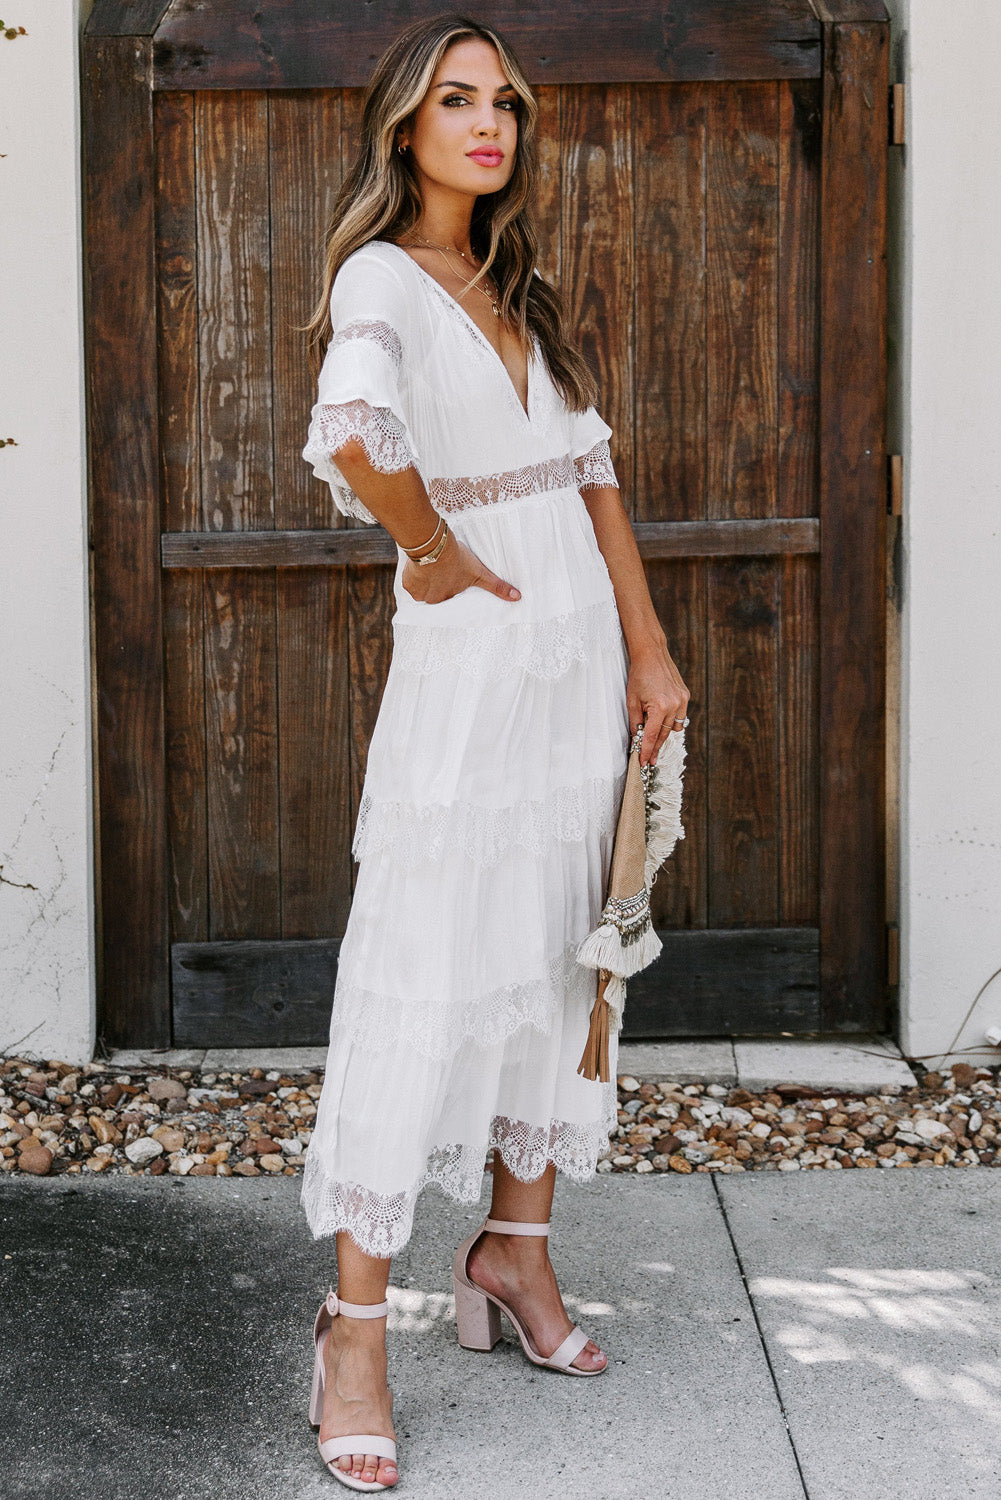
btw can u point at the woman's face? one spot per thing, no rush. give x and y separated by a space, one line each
466 127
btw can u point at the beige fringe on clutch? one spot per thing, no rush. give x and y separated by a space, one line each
624 942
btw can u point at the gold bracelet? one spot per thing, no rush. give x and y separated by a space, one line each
411 550
431 557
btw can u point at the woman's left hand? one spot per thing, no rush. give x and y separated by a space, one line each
655 697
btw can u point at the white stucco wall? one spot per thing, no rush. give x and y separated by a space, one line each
46 895
945 406
950 343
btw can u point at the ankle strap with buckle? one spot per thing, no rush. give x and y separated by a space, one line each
337 1305
514 1226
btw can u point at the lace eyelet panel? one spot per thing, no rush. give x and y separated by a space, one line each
595 467
381 1223
422 835
512 484
538 648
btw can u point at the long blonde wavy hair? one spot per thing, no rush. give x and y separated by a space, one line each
380 199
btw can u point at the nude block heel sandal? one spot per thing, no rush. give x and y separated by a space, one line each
477 1313
354 1442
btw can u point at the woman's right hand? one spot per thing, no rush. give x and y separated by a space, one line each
457 568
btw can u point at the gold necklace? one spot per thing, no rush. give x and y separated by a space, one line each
489 296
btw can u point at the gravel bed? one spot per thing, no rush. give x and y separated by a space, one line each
56 1117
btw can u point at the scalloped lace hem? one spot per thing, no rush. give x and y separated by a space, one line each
421 835
436 1029
538 648
381 1224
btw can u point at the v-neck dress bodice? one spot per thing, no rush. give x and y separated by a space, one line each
494 774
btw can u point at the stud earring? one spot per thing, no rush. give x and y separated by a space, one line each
401 149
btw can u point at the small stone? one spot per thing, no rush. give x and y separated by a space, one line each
928 1130
629 1085
106 1133
143 1150
644 1165
161 1089
272 1161
679 1164
35 1159
170 1138
180 1166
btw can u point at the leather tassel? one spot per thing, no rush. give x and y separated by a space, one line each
594 1060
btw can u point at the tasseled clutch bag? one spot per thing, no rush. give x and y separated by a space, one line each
624 942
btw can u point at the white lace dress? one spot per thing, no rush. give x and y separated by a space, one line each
493 780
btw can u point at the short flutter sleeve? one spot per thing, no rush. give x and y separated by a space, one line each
362 385
592 459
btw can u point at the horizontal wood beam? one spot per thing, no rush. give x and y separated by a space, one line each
242 44
727 981
253 993
354 546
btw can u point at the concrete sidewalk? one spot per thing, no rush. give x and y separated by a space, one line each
811 1334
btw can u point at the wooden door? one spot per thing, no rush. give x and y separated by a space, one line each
713 203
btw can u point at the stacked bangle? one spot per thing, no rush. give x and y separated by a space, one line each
435 553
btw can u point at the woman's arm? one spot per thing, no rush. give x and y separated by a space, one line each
655 689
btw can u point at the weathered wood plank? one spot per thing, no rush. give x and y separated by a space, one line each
340 548
314 758
798 495
598 242
853 521
742 695
728 982
798 302
177 310
742 252
550 190
241 714
304 131
235 321
120 284
254 993
799 736
669 144
187 812
310 44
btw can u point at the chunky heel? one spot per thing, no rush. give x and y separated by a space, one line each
477 1312
476 1317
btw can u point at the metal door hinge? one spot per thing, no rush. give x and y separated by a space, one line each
898 136
895 484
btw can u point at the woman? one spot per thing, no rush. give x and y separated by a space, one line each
454 409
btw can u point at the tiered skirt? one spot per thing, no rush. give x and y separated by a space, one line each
484 841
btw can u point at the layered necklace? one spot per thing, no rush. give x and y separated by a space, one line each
490 296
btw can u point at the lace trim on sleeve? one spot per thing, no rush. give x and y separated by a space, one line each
376 331
595 467
380 433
